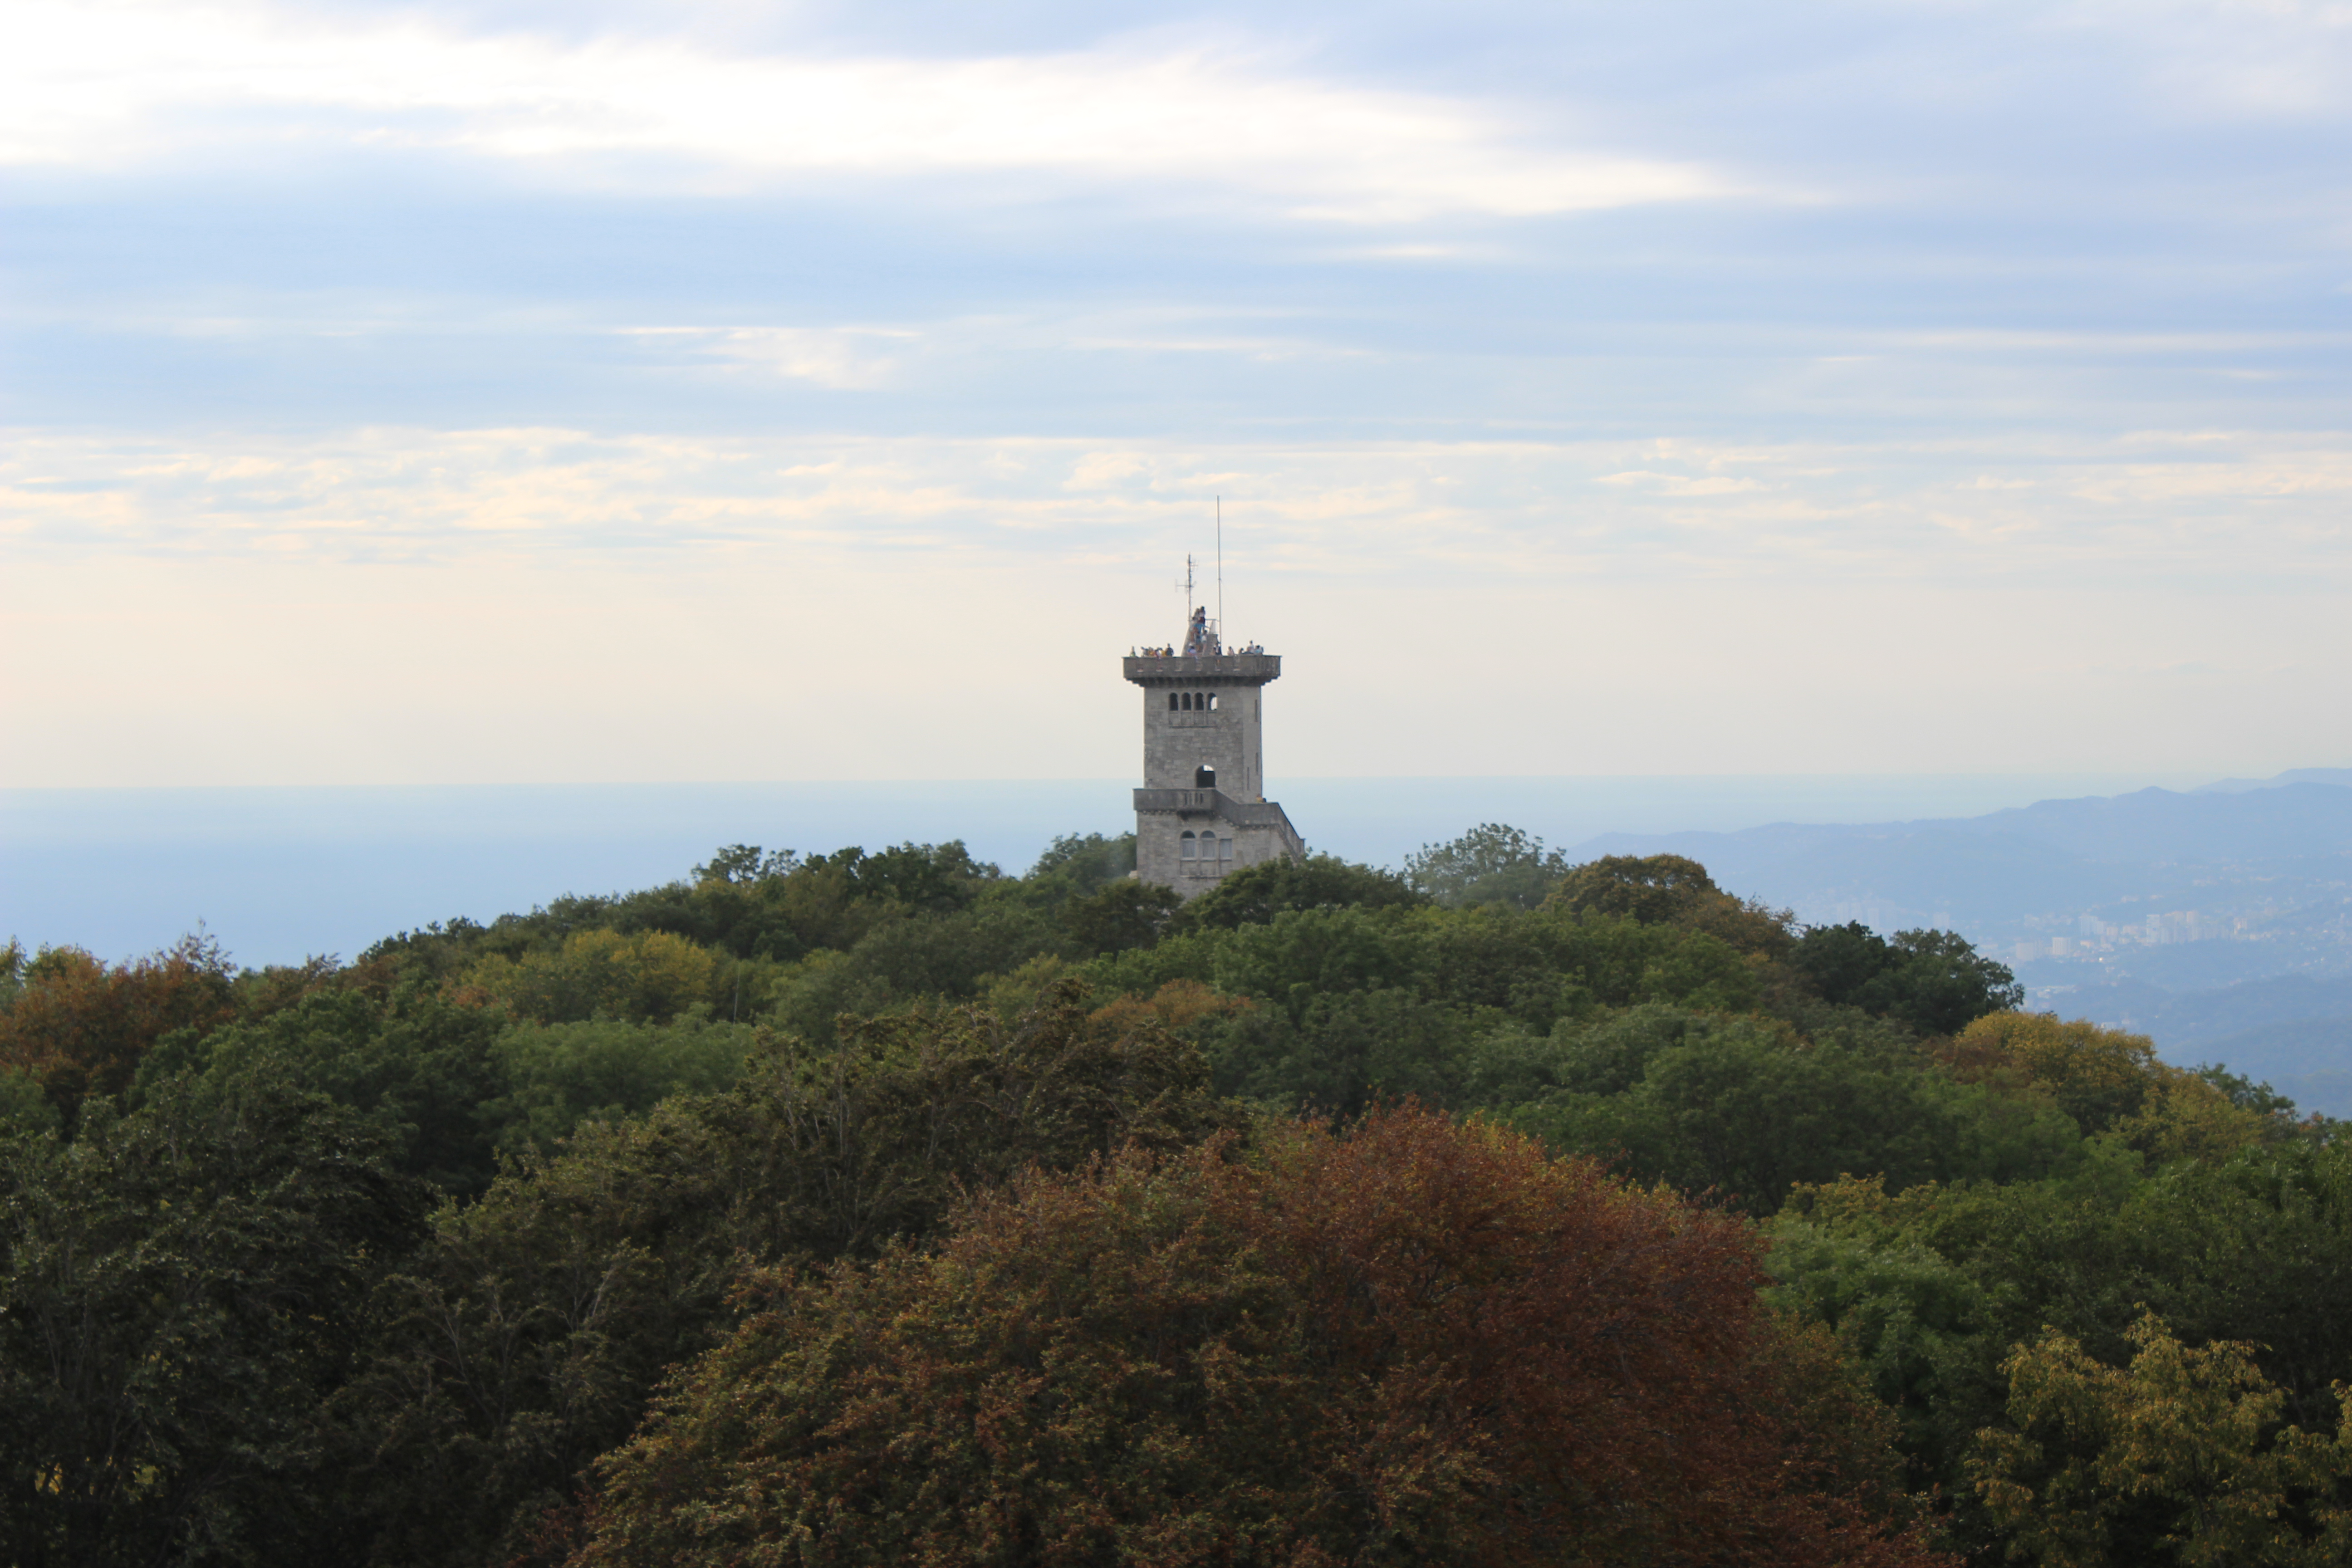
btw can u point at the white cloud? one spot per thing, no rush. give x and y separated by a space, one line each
120 84
846 357
2201 505
2242 59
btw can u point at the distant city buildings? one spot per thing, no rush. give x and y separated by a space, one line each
2094 935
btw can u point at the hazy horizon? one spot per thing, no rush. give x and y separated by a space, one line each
280 872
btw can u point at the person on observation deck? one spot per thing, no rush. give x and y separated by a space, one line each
1200 642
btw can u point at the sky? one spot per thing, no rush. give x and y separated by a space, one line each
603 392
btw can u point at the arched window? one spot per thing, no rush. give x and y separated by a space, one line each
1204 778
1189 847
1172 702
1213 702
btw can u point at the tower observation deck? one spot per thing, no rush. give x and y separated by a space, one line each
1203 812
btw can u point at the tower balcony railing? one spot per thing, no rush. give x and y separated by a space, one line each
1150 669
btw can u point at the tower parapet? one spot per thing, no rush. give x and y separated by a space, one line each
1203 812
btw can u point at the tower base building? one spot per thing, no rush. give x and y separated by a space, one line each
1201 813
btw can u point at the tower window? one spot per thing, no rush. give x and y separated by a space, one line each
1172 702
1204 778
1189 847
1213 702
1225 849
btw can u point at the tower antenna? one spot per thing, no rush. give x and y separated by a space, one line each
1221 573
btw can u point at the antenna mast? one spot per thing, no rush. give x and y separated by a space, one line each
1221 573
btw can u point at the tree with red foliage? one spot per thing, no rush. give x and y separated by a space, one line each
77 1026
1413 1340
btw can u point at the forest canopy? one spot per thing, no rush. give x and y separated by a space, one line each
857 1206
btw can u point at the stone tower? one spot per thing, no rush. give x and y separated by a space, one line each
1202 810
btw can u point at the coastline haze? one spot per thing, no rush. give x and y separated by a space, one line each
278 874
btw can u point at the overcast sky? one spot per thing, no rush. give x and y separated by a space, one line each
613 391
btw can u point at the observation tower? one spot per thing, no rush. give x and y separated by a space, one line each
1203 812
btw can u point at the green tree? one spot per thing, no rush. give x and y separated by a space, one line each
1076 864
1656 889
1616 961
1745 1107
741 863
424 1071
182 1291
1673 889
1842 960
1255 894
1932 1288
1935 981
1335 1053
912 958
935 878
1302 953
525 1339
24 1107
1123 915
1491 863
1939 982
557 1076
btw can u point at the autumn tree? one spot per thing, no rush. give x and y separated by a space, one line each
78 1025
2179 1458
1411 1341
2110 1080
524 1339
650 975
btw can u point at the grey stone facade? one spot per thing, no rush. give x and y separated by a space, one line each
1204 771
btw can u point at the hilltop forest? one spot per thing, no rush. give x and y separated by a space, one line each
879 1209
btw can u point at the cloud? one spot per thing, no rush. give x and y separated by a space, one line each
1681 484
2278 60
2245 508
844 357
99 85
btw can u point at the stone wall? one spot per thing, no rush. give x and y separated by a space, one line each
1159 850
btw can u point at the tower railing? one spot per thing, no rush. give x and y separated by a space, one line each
1230 666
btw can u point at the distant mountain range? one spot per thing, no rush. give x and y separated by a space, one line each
2219 922
2293 775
